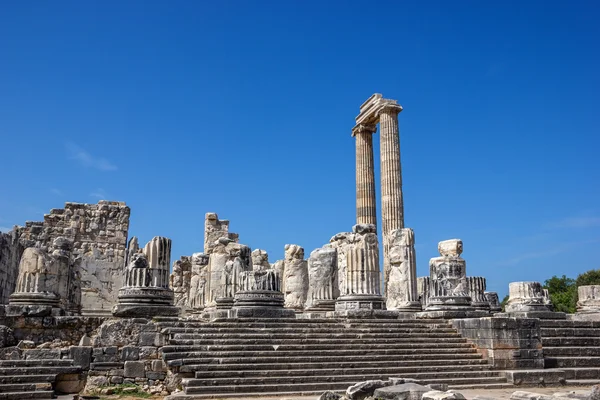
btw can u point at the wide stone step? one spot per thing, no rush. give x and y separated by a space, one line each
49 394
336 353
281 346
197 358
569 332
579 351
25 387
548 342
302 387
581 373
8 371
35 363
571 362
383 342
277 379
307 326
302 321
382 371
10 379
565 323
432 337
483 385
315 329
263 395
363 363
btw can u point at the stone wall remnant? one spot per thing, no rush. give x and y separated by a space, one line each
198 282
10 254
260 260
214 229
180 282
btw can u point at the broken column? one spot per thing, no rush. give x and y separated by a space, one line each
259 296
588 305
493 301
42 285
529 300
363 284
449 291
146 292
400 279
477 286
423 283
322 278
295 277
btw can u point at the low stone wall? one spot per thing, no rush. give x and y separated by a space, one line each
509 343
128 351
67 330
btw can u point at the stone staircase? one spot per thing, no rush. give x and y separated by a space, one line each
32 379
242 358
574 347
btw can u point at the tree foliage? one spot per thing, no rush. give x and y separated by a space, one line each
563 290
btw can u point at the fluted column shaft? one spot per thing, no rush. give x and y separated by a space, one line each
392 204
366 208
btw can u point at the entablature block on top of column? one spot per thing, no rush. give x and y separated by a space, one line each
364 128
372 108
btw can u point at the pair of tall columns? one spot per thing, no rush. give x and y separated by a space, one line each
385 112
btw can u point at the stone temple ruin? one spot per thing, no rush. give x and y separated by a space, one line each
86 309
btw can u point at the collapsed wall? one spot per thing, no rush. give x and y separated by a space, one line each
10 254
99 236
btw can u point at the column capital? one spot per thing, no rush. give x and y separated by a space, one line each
364 128
391 107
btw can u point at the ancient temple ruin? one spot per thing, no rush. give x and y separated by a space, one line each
86 304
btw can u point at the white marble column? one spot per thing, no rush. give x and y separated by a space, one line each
366 208
392 205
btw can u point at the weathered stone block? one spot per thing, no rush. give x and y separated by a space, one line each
81 355
149 339
134 369
156 375
130 353
159 366
148 352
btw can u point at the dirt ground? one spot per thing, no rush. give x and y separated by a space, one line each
500 394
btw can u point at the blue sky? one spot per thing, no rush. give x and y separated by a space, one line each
245 108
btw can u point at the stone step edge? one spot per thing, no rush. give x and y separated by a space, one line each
191 382
326 385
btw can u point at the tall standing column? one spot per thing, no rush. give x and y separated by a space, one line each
392 205
366 208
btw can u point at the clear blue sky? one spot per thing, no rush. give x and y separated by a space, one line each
245 108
